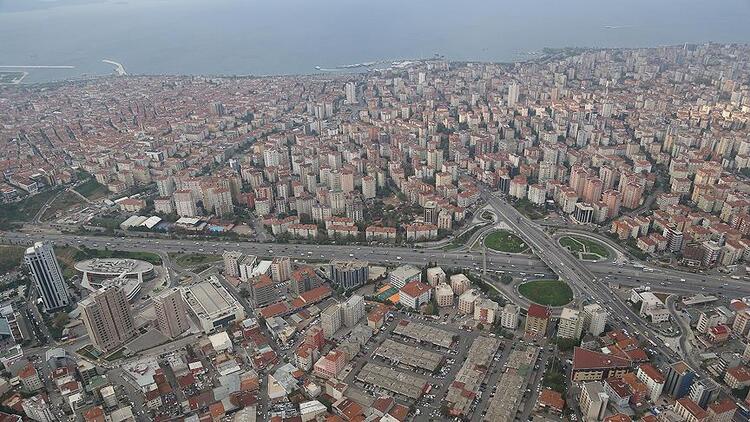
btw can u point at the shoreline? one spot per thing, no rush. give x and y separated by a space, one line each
357 68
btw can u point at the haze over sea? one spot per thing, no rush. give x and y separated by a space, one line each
263 37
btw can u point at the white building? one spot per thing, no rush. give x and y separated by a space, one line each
652 378
415 294
435 276
466 301
212 304
36 408
403 275
594 318
460 283
330 320
353 310
570 325
593 401
509 316
444 295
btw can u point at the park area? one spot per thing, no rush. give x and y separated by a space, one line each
505 241
547 292
191 260
584 248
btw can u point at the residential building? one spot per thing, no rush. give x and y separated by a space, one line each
509 316
593 401
171 313
330 320
352 310
444 295
415 294
653 379
594 318
570 325
108 318
537 320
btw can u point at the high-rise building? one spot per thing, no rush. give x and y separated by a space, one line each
512 94
631 195
351 93
592 190
165 185
430 212
368 187
330 320
219 201
613 199
232 263
184 204
47 275
171 313
509 316
593 401
679 378
281 269
570 325
578 175
594 318
349 274
108 318
353 310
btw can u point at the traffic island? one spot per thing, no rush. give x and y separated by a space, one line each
505 241
546 292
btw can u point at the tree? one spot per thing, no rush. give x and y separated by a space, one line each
506 279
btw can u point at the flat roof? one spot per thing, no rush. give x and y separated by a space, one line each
425 333
389 379
409 355
209 298
114 266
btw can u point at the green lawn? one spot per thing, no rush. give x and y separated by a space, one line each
525 207
63 203
585 246
463 238
92 189
193 259
11 257
547 292
505 241
112 223
117 354
26 209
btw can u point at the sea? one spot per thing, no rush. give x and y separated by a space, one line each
273 37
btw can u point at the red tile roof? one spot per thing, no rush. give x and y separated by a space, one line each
652 372
589 359
538 311
415 289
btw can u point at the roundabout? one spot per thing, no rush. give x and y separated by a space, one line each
553 293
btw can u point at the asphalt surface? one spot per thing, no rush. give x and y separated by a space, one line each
517 265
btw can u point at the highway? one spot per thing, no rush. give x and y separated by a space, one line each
584 281
516 265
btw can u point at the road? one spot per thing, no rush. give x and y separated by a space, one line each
575 272
669 281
